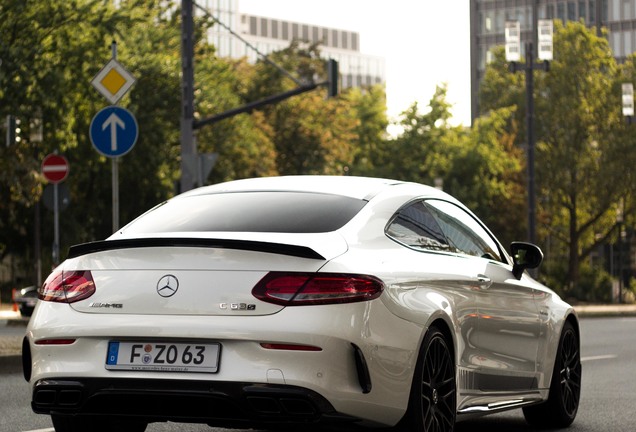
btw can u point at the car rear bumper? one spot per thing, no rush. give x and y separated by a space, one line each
236 404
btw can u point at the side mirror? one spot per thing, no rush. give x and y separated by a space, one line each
525 256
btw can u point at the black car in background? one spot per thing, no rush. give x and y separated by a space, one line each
26 299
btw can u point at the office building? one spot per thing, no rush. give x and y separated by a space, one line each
488 18
269 34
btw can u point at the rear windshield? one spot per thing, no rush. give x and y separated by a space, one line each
285 212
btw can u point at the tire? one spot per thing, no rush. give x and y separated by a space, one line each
26 311
432 402
95 424
562 405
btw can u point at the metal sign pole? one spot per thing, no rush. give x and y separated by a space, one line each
56 225
115 168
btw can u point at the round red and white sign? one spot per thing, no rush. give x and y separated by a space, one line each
55 168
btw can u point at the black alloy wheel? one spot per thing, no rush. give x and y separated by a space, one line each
559 411
432 406
570 373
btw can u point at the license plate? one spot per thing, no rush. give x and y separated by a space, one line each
163 356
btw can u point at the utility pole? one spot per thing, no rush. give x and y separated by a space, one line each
188 147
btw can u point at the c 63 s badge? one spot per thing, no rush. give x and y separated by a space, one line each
237 306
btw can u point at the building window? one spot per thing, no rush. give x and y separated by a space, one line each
615 43
345 40
549 13
521 17
592 9
253 26
500 22
571 11
627 43
627 9
305 32
561 11
264 27
334 39
354 42
275 29
285 30
295 34
582 11
314 34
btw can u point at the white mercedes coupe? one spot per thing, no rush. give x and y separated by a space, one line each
301 301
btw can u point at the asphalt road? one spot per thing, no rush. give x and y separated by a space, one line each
608 395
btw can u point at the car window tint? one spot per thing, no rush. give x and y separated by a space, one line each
285 212
416 227
463 232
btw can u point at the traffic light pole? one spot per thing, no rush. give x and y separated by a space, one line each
188 124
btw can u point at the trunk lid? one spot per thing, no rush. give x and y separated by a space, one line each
193 276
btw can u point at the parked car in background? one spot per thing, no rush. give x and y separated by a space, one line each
26 300
302 300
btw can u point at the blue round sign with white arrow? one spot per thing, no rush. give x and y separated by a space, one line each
114 131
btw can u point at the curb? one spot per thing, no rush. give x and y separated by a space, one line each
11 363
605 311
17 322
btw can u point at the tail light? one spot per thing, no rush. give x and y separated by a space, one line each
297 289
67 286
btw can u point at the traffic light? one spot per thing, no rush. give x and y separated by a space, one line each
13 130
332 78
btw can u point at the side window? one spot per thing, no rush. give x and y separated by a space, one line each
464 233
415 226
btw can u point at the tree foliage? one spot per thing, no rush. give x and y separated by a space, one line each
50 51
581 143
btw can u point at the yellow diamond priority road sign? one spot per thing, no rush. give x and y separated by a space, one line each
113 81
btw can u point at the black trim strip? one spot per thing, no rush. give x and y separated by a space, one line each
257 246
364 377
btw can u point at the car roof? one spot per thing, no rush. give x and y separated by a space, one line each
352 186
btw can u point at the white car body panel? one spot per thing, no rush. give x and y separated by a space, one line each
504 331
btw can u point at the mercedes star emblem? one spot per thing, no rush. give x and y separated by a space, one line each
167 286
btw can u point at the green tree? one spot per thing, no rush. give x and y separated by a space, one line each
369 105
46 50
421 153
487 174
311 134
582 152
50 51
579 177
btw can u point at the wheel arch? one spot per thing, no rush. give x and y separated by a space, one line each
573 319
445 328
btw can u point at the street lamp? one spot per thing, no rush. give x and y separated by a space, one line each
627 90
513 56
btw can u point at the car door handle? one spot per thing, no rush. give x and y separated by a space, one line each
484 281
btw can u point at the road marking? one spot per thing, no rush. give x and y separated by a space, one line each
601 357
42 430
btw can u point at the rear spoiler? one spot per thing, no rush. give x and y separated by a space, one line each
257 246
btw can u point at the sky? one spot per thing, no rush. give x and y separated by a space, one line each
425 43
